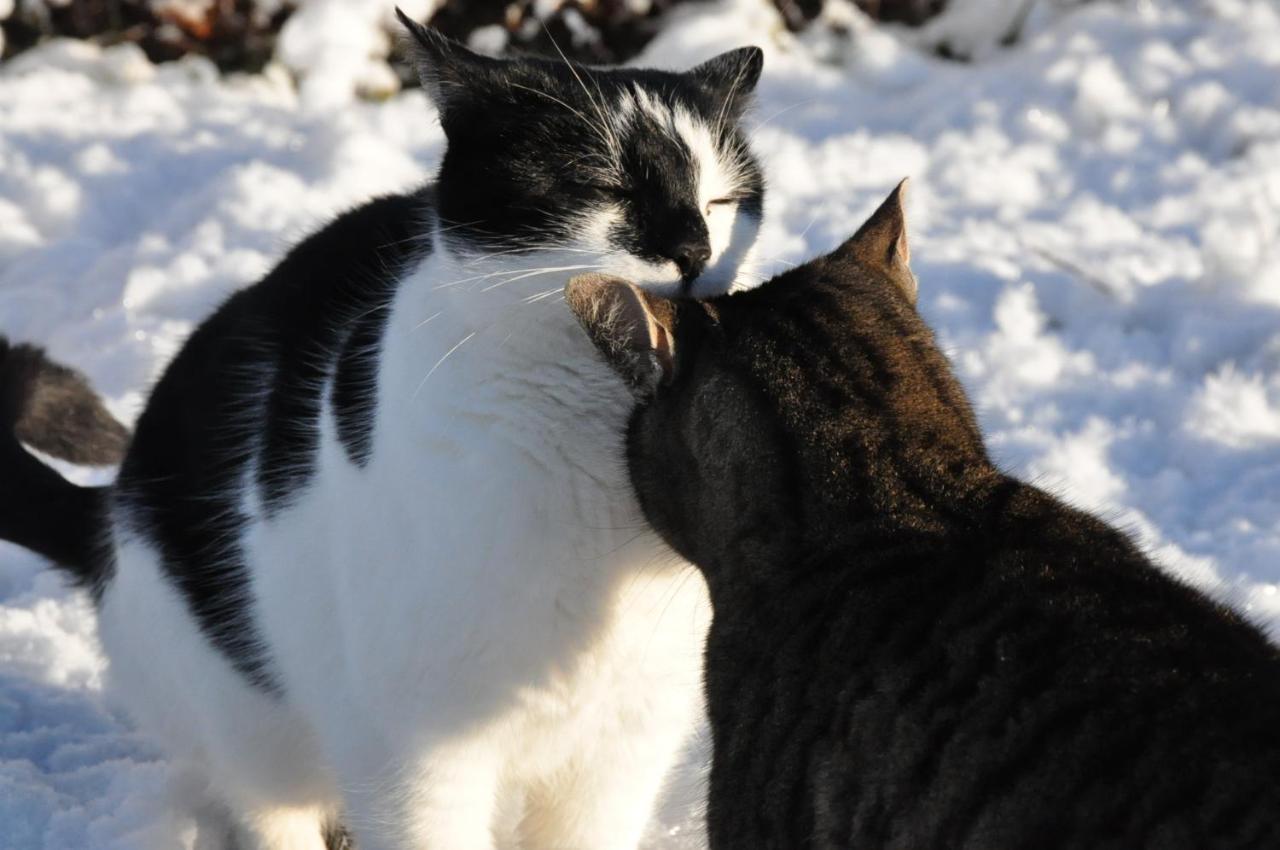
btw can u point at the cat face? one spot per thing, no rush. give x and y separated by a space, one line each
640 174
756 411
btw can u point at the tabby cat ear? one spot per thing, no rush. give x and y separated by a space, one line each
633 329
881 243
447 69
730 79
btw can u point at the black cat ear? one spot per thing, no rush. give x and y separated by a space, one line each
881 243
632 329
447 69
731 78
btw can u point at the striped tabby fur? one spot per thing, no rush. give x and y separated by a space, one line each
911 649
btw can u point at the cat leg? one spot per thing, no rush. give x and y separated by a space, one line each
648 700
337 837
604 804
215 829
282 829
448 802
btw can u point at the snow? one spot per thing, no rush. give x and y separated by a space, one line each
339 47
1095 224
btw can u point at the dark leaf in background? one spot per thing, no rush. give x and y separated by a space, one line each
232 33
236 37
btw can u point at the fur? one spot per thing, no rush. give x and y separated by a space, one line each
53 409
909 648
373 554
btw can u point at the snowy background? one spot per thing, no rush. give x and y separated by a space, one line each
1095 221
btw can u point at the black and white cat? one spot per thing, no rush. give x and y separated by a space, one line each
372 554
911 649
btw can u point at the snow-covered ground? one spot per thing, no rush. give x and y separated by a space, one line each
1095 224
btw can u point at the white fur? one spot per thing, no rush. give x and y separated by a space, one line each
475 629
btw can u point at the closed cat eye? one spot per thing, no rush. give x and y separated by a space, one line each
717 202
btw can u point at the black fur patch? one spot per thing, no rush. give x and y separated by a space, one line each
245 393
44 512
355 383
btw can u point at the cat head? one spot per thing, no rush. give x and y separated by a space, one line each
637 173
783 414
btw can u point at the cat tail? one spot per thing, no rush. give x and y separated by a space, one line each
53 409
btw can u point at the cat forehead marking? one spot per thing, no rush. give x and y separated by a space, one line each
715 177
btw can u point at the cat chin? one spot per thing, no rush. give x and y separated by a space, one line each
729 272
732 230
659 278
711 285
667 283
733 237
725 274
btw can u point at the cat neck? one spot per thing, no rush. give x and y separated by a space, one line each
840 528
481 355
1000 523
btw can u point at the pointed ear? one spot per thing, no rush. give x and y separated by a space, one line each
633 329
881 243
731 78
447 69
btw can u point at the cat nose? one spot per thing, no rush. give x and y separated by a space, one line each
691 257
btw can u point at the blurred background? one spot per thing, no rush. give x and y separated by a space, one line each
1094 213
243 35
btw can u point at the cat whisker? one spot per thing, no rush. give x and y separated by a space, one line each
510 275
534 273
456 225
610 119
446 356
462 280
601 113
592 124
728 99
548 249
808 226
764 122
546 293
434 315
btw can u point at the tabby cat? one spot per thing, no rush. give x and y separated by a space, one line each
911 649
